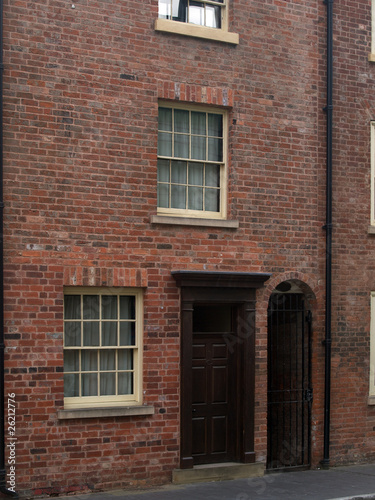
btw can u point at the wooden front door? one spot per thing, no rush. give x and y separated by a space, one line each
214 389
217 366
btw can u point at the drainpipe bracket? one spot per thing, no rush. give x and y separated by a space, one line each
325 463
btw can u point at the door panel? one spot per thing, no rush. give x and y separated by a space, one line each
213 401
219 384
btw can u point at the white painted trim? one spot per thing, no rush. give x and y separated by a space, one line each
372 55
372 180
372 352
187 29
188 221
128 411
71 403
192 214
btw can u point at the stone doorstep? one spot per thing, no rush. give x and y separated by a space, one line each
217 472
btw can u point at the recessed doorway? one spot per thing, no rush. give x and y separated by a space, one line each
289 382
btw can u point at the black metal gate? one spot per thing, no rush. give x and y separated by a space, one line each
289 382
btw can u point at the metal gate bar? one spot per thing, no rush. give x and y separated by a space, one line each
289 382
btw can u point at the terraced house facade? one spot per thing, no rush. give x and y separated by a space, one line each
188 251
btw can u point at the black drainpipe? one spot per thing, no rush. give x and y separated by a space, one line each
328 227
3 487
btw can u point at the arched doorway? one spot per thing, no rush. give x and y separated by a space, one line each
289 379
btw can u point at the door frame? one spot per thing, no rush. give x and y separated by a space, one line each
232 288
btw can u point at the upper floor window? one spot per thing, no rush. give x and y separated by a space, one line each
372 219
199 18
372 351
102 347
371 56
203 13
191 162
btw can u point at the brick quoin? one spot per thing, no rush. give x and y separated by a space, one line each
81 93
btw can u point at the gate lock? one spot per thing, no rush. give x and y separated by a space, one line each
308 395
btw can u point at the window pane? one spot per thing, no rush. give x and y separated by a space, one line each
90 306
178 197
125 359
198 123
178 172
195 198
213 16
107 384
108 359
71 361
196 174
163 195
215 125
109 307
212 175
215 149
72 333
89 360
181 146
72 307
212 200
164 144
91 333
89 384
196 13
181 121
198 147
127 333
125 383
71 385
179 10
163 170
109 333
164 9
165 116
127 307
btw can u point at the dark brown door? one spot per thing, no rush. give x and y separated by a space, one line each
218 320
214 387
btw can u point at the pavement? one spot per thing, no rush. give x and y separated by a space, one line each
337 483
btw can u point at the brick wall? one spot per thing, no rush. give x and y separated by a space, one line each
81 99
353 247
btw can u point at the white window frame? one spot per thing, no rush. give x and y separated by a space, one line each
372 352
371 56
113 400
372 215
201 214
188 29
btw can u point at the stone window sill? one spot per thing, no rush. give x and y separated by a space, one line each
371 400
371 57
371 230
189 221
128 411
187 29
